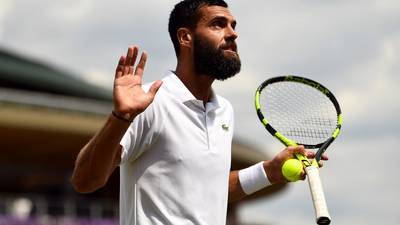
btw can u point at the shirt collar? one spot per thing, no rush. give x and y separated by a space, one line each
180 91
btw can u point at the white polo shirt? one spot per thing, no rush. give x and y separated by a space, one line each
176 160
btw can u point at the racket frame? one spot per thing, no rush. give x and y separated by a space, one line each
311 168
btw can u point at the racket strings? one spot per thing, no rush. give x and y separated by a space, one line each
299 112
307 133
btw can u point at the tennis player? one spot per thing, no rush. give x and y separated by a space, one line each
172 138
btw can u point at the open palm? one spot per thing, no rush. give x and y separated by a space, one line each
129 97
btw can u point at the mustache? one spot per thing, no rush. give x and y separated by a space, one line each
229 43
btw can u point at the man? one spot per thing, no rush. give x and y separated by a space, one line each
172 139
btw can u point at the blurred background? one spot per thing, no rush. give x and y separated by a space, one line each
57 60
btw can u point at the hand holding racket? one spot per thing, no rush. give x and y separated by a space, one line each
300 111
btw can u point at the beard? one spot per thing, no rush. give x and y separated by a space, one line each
211 61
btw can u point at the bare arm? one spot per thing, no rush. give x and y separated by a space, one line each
273 169
98 158
235 189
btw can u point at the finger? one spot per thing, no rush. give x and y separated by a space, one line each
324 157
142 63
130 59
130 55
310 154
320 164
126 70
121 61
297 149
120 67
303 175
154 87
127 61
130 71
134 55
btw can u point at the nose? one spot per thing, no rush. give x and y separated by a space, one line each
231 33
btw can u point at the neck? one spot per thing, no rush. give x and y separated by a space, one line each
199 85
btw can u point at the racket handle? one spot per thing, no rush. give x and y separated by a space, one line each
318 197
303 159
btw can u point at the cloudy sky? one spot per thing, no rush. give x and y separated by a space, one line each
352 46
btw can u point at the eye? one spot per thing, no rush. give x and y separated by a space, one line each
218 24
233 25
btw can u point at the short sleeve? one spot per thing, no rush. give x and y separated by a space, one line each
141 134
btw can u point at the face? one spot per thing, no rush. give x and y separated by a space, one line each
214 47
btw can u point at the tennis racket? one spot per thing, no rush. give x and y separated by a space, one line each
300 111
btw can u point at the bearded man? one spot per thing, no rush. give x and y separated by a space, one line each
172 138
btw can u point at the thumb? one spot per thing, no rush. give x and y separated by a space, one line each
154 87
299 150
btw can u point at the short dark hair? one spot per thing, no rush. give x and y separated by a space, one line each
185 14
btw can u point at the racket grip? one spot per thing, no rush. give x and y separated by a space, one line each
318 197
303 159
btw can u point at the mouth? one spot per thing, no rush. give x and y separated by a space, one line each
230 51
231 47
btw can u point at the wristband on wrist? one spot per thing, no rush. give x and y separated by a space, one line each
253 178
120 117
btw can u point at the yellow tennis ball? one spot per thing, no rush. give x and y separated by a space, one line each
292 169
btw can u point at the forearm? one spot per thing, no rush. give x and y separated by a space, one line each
236 192
99 157
252 179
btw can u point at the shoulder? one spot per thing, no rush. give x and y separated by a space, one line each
167 80
161 100
224 103
161 95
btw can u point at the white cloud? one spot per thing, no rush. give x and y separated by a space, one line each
5 8
84 34
371 95
71 12
387 5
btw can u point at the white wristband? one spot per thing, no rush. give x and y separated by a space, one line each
253 178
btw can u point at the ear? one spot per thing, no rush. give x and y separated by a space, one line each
185 37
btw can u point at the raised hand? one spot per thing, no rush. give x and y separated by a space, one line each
129 97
